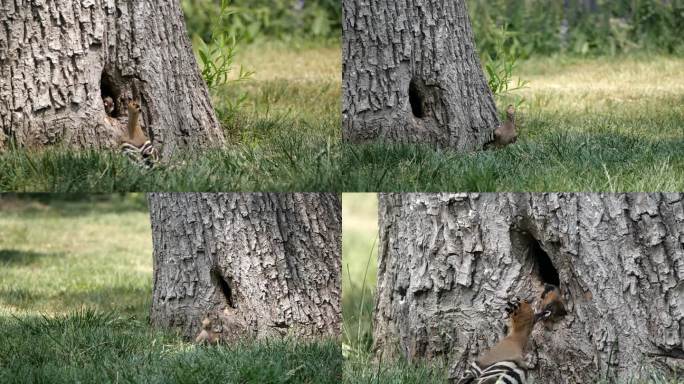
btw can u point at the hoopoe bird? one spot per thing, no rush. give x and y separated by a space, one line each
504 363
136 146
227 326
506 133
207 334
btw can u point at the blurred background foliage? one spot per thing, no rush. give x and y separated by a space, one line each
529 27
578 27
253 20
506 31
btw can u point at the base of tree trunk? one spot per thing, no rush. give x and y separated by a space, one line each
271 260
411 74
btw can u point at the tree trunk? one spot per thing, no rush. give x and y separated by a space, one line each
411 74
448 263
59 59
273 260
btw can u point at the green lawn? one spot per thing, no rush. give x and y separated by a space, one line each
603 124
285 136
75 292
359 249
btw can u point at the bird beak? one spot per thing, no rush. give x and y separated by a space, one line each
541 315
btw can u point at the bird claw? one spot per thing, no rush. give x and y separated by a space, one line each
512 306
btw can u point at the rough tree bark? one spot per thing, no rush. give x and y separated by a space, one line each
274 260
60 58
411 74
448 263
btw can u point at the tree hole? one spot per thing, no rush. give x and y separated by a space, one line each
402 292
224 285
416 99
543 265
110 91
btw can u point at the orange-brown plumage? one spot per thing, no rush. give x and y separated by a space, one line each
207 335
511 347
135 134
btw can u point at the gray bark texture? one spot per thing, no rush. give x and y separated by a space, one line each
273 260
60 58
411 74
449 262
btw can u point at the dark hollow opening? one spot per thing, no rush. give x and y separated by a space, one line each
108 89
416 99
547 272
223 285
402 292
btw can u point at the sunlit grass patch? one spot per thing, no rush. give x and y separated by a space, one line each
281 61
620 78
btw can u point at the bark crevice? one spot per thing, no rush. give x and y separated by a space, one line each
542 268
223 285
416 95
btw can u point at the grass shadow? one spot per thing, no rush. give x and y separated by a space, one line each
132 301
19 257
72 205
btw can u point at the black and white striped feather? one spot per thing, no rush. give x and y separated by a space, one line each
145 156
503 372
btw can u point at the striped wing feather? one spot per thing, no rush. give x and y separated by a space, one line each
503 372
145 156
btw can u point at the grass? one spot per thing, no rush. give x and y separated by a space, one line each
285 136
359 252
601 124
359 261
75 292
